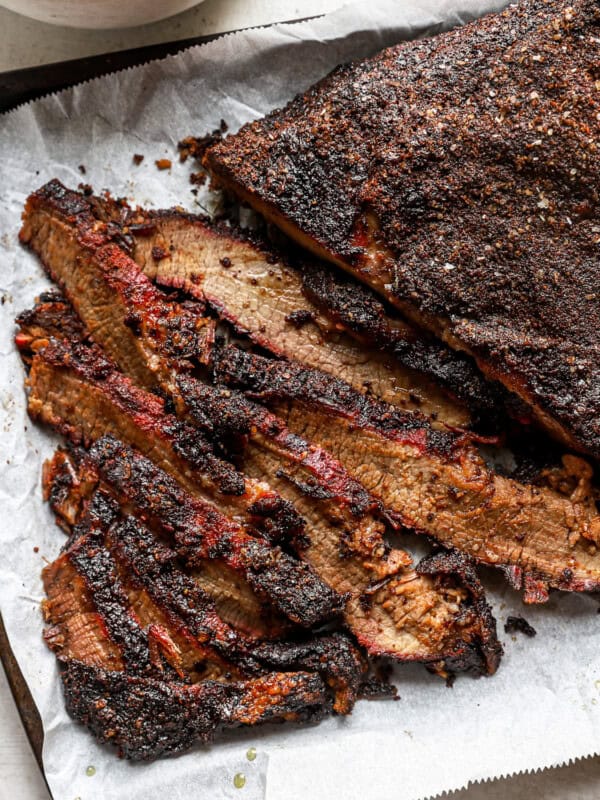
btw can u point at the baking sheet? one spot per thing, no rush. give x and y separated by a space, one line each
541 709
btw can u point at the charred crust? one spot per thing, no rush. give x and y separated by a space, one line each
269 379
146 718
300 317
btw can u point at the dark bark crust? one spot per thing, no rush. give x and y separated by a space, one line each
146 717
458 177
201 532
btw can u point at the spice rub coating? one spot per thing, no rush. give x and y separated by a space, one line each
458 176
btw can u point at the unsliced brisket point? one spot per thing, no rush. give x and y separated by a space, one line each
437 483
80 393
138 325
458 177
391 609
252 285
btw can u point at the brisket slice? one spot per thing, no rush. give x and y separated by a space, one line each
436 483
149 717
92 575
390 608
118 678
149 421
78 392
261 293
138 325
201 533
153 566
145 575
361 313
458 176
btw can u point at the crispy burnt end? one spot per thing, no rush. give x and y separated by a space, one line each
333 656
467 657
65 488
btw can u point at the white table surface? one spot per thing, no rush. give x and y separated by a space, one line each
25 43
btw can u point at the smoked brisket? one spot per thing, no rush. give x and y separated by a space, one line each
436 482
75 389
458 176
392 609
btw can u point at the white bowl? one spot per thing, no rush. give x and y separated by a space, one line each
99 13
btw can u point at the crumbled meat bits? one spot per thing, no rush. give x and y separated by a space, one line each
519 624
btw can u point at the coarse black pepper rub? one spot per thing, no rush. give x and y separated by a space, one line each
458 176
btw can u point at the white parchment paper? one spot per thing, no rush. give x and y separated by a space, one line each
541 709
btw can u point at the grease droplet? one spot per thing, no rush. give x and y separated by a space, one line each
90 771
239 780
251 753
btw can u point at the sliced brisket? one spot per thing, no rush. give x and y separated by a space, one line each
434 482
117 676
77 391
390 608
256 288
137 324
131 578
201 533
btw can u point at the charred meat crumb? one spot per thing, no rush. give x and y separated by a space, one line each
519 624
